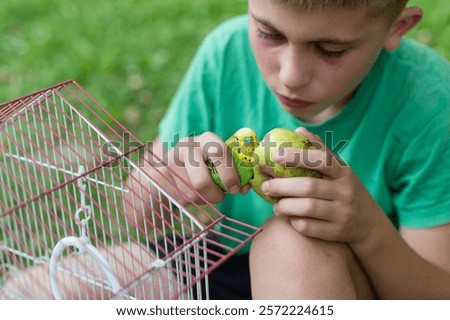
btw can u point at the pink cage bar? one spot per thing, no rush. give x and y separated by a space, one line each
66 190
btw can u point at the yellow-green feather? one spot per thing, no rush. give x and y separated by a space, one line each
241 145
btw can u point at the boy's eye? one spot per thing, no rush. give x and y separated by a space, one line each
268 35
330 54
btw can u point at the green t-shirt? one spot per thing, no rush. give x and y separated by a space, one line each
394 133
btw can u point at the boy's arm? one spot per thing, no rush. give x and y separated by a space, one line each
137 201
183 174
339 208
432 244
413 266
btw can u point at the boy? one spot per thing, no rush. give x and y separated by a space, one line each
377 224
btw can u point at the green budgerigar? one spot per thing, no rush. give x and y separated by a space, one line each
241 145
267 168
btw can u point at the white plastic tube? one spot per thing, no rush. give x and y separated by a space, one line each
83 246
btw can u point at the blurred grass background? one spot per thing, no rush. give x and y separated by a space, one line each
129 55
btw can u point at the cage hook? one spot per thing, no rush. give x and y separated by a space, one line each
86 209
82 244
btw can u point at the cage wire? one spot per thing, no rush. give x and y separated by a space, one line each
72 214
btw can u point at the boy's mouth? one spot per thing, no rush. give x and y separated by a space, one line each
294 103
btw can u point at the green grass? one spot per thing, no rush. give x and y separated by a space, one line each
130 55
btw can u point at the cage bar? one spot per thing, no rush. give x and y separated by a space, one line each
72 202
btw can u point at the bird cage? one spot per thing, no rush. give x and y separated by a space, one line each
80 218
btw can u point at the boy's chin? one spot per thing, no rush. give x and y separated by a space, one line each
314 114
302 114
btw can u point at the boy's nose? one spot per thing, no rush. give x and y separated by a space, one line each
295 69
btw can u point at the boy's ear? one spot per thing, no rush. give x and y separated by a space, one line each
407 20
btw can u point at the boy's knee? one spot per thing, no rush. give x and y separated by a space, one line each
281 257
276 231
279 237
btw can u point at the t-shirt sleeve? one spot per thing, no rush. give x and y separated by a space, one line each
191 109
422 195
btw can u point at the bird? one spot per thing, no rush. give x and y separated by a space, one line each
241 145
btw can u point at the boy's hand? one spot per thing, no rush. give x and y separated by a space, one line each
189 160
335 208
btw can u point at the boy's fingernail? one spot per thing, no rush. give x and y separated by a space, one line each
276 156
265 187
234 189
302 130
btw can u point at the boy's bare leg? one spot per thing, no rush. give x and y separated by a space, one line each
287 265
128 262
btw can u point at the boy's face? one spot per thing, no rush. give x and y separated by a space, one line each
313 61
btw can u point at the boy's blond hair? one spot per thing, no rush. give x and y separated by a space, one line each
376 8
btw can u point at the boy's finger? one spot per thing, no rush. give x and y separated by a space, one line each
215 151
305 207
322 161
313 138
301 187
245 189
199 176
318 143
